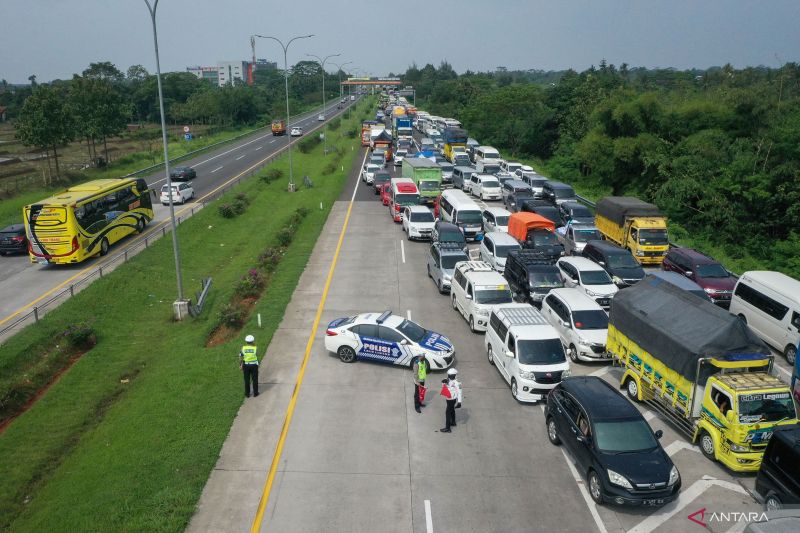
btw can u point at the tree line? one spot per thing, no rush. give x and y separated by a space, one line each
718 149
100 102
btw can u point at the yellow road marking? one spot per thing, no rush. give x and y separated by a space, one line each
287 421
152 230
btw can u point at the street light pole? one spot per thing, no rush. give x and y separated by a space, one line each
325 123
152 9
286 86
339 72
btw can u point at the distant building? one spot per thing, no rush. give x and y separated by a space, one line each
210 74
232 72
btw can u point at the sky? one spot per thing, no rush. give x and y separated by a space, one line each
56 38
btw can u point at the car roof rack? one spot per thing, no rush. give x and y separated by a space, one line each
476 266
381 319
449 245
531 257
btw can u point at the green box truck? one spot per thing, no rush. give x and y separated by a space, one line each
427 175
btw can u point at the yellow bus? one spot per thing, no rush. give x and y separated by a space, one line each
85 220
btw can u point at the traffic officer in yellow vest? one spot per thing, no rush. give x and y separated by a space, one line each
248 362
419 372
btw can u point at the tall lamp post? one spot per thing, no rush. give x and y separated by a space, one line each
179 311
324 111
339 72
286 85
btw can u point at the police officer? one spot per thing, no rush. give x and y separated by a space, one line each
248 362
420 372
453 397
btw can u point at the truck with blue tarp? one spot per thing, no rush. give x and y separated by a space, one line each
455 140
702 368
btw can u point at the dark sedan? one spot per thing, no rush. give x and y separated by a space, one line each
182 173
13 240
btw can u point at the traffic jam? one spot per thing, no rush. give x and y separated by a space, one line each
590 312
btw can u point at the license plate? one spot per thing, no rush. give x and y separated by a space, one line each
653 501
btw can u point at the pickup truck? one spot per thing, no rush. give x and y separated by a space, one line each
575 236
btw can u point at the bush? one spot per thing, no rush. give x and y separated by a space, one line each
273 174
270 258
233 315
330 168
251 284
80 335
334 124
309 143
353 133
226 210
285 236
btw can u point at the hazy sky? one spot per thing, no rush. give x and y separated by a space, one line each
56 38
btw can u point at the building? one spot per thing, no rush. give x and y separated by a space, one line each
232 72
210 74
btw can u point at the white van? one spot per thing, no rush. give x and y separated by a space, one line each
495 247
526 350
486 152
475 289
769 302
581 323
458 208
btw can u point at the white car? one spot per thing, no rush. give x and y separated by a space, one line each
181 192
495 247
387 338
368 174
495 219
418 222
487 187
580 322
296 132
399 155
321 118
588 277
475 289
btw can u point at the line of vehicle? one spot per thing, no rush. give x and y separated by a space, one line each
151 231
287 421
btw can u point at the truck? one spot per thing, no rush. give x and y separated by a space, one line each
380 137
536 233
279 127
635 225
574 236
401 127
427 175
366 130
454 137
701 368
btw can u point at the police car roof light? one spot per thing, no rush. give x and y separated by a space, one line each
381 319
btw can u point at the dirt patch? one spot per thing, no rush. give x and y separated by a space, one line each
223 333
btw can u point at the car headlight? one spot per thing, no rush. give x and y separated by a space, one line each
524 374
482 312
619 480
710 290
617 280
738 447
566 373
583 342
591 293
640 254
674 476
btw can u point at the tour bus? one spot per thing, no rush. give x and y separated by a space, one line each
85 220
404 192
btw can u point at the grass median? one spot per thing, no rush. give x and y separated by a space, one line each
126 438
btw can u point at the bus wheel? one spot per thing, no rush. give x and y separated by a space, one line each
139 226
104 246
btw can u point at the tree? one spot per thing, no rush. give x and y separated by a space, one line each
32 79
99 107
45 120
104 71
137 73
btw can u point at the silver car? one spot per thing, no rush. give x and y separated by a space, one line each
442 259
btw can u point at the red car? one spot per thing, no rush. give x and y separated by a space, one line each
386 193
703 270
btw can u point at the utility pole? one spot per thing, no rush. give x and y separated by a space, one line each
324 116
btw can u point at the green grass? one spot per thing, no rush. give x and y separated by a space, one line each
126 439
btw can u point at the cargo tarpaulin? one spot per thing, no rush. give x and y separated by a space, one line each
618 208
678 328
519 224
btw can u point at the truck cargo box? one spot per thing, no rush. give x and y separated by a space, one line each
618 208
679 329
455 135
519 224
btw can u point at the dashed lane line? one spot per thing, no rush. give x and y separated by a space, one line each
216 169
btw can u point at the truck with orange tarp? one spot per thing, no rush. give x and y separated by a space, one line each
537 233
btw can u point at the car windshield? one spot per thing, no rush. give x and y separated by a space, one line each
713 270
493 296
407 199
622 261
513 167
449 261
564 192
488 184
382 177
580 212
429 186
521 194
491 169
653 237
445 167
596 319
501 250
542 238
546 279
540 352
469 217
622 436
765 407
501 220
586 235
451 236
373 168
413 331
595 277
421 216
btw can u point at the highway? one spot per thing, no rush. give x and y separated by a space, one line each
354 455
24 284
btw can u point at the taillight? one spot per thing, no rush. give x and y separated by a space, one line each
74 243
18 238
330 333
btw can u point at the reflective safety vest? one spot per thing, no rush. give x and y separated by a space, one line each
249 355
422 370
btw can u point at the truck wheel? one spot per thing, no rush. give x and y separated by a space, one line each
742 318
429 271
454 303
633 389
790 353
707 445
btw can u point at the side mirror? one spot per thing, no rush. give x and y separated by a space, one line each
658 434
509 354
730 416
688 273
468 296
403 342
565 323
601 263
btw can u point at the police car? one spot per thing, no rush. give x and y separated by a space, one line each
387 338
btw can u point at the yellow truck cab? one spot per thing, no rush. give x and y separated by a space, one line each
701 368
635 225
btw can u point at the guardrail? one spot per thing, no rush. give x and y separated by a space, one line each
112 262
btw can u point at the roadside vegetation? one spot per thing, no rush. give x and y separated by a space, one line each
718 150
126 437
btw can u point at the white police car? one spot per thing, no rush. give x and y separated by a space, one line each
387 338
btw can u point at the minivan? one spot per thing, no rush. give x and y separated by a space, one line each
778 478
531 276
557 193
620 264
703 270
511 186
458 208
461 175
526 351
485 152
769 302
581 323
495 247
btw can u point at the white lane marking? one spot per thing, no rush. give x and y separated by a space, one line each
231 150
241 156
685 497
674 447
600 371
738 527
216 169
259 148
272 141
428 519
402 251
408 313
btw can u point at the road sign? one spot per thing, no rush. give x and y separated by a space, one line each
188 136
186 129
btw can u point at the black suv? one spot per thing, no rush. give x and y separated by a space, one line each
531 276
620 264
449 233
778 479
614 448
13 240
182 173
576 212
557 193
542 208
